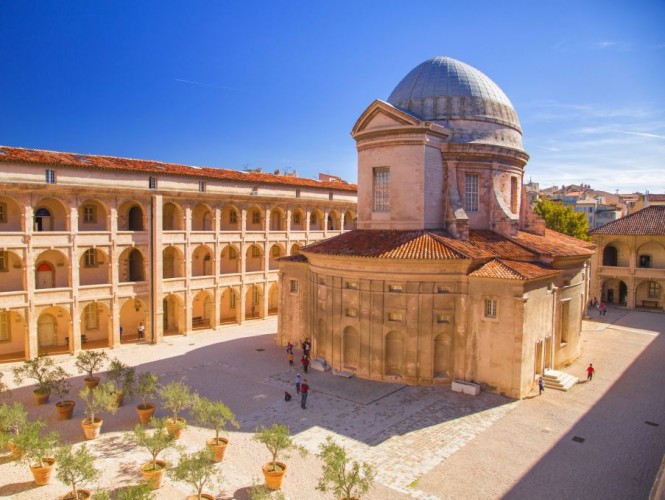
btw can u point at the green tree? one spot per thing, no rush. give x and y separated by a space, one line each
154 442
563 219
277 439
75 467
196 469
346 480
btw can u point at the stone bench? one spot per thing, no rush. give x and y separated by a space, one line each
319 364
650 304
342 373
465 387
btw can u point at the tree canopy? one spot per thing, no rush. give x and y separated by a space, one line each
563 219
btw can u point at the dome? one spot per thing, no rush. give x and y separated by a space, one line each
460 97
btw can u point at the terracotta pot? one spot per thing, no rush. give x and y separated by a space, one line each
16 452
82 495
91 382
218 448
65 409
274 477
145 412
42 474
92 429
203 495
154 477
175 428
41 396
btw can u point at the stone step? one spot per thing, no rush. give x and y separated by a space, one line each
560 381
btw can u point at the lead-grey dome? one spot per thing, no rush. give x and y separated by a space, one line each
460 97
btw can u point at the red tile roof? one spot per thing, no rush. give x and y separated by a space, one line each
94 162
649 221
510 269
294 258
438 245
656 197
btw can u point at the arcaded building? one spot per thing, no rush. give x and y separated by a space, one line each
449 274
90 244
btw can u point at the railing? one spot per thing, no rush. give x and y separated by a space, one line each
51 239
96 238
52 295
88 292
129 237
202 282
14 299
170 237
173 284
11 240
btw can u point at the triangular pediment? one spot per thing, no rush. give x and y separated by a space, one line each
382 115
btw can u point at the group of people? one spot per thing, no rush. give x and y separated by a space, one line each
601 306
302 387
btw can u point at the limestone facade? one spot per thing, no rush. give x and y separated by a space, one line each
90 244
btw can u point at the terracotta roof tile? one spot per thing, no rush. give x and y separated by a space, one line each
294 258
509 269
554 244
94 162
649 221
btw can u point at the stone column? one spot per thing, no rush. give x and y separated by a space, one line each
157 271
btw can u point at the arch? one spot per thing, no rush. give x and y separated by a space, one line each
351 348
316 221
255 219
173 263
51 270
295 249
614 291
254 302
277 219
54 330
13 334
172 217
230 261
201 218
12 278
11 215
51 214
231 218
94 267
202 310
441 362
649 294
254 259
230 306
202 261
134 312
273 299
174 315
610 256
394 350
276 251
96 325
616 251
132 266
93 216
333 221
651 255
349 220
298 219
130 216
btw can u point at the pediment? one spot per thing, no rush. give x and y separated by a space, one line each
382 115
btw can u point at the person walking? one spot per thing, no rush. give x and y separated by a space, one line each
290 358
120 332
589 372
541 386
603 309
304 390
298 383
305 363
141 330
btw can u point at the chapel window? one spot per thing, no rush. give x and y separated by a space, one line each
294 286
471 192
381 189
513 194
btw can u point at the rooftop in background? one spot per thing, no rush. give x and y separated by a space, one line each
54 158
648 221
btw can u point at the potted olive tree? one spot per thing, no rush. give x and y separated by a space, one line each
124 378
13 419
176 398
37 449
146 388
196 469
346 480
217 415
102 398
42 370
89 362
141 491
277 438
76 467
60 388
155 442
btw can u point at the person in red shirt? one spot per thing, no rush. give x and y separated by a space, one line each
305 363
589 372
304 389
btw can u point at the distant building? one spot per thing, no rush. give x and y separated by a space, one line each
629 263
647 200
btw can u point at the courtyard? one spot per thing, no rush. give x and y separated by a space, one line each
424 442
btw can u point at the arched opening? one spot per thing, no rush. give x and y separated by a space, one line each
173 265
172 218
316 221
651 255
12 336
201 218
230 306
254 259
442 356
349 220
202 310
135 219
614 291
135 266
51 270
43 220
333 221
96 329
254 302
230 260
610 256
174 315
134 314
11 272
273 300
277 222
94 268
93 216
11 217
295 249
394 354
202 263
275 253
351 348
54 331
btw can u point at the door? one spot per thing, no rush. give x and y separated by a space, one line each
45 277
46 330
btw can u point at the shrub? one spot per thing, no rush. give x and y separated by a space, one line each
346 480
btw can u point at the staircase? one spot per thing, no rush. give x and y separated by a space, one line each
560 381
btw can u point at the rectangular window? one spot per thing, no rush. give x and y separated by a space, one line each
395 316
351 312
296 218
395 288
645 260
381 191
202 186
330 195
490 308
513 194
90 258
233 217
294 286
654 290
298 193
442 289
152 182
255 191
89 214
256 217
471 192
3 212
442 318
5 334
232 253
50 176
91 317
352 285
256 252
4 261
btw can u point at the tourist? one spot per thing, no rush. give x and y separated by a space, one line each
298 383
304 389
305 363
541 386
589 372
603 309
141 330
290 358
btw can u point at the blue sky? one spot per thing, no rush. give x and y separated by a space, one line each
280 83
